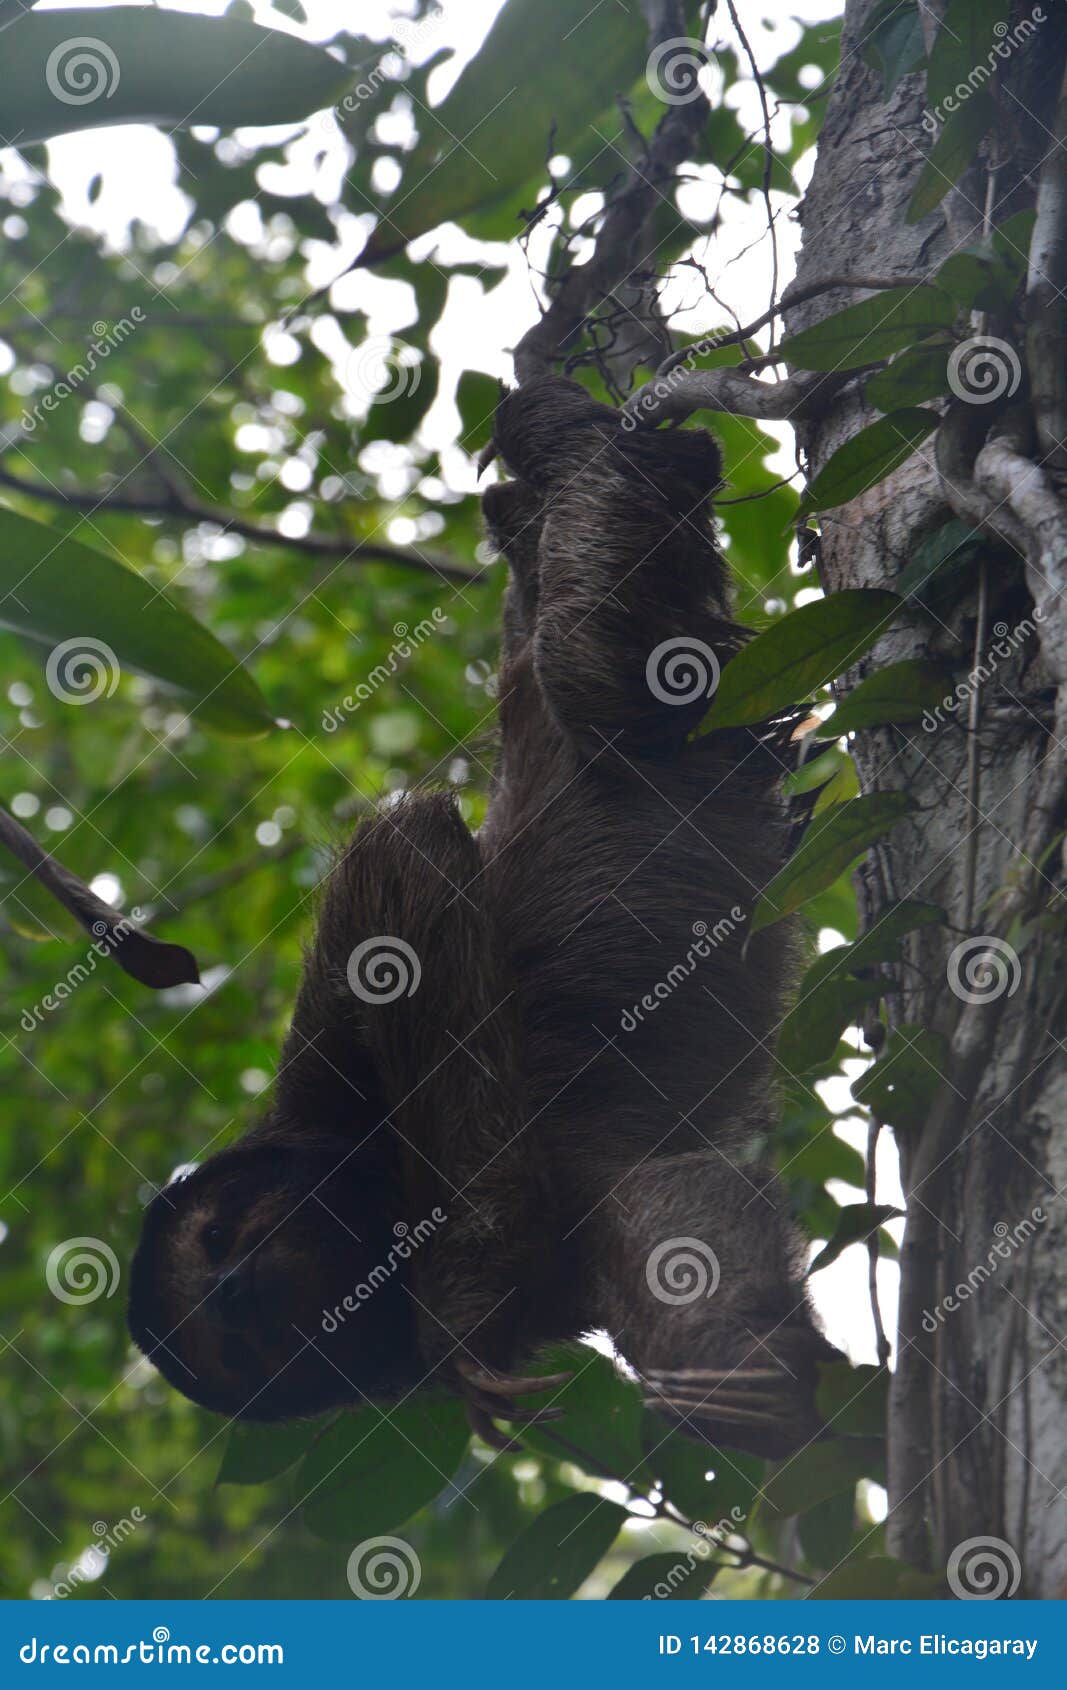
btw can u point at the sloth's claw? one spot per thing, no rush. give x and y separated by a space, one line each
505 1385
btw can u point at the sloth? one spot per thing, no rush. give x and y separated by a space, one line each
527 1078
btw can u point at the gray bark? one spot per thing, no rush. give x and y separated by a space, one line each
979 1405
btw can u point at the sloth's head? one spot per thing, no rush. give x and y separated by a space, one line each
249 1289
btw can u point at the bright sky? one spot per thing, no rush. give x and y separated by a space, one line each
139 180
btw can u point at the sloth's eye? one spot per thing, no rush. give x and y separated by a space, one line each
213 1239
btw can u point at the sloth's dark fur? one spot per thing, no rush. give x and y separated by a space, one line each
573 1158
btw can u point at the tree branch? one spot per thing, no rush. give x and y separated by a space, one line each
154 962
619 247
175 504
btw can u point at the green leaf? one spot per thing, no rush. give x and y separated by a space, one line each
872 454
798 654
949 549
373 1470
878 1578
671 1576
853 1401
257 1452
477 397
918 374
902 1084
506 106
856 1221
822 1470
829 847
680 1466
894 46
882 943
872 329
825 1531
980 278
964 41
845 785
558 1550
601 1413
953 152
816 771
901 692
57 590
1011 239
82 68
810 1032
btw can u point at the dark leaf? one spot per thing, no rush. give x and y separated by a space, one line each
918 374
902 1084
558 1550
81 68
856 1222
255 1453
902 692
671 1576
829 847
953 152
872 454
853 1401
373 1469
822 1470
798 654
872 329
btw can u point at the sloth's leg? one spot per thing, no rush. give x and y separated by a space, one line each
706 1300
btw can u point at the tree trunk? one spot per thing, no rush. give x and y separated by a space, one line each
979 1397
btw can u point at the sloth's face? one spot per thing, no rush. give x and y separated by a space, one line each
242 1270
